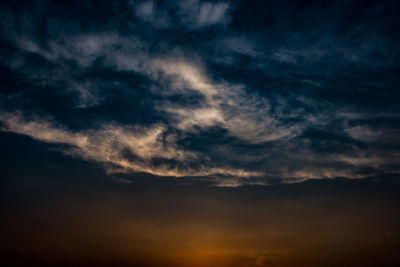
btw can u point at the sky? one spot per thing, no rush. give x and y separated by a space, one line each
200 133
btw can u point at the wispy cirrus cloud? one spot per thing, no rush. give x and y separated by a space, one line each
120 148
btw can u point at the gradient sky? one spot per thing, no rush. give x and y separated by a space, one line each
200 133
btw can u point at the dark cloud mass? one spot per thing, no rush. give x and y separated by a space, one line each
235 92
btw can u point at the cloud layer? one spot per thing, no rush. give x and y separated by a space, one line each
222 90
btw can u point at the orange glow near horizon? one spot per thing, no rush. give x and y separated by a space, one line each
157 228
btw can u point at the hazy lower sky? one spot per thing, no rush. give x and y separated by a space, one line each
200 133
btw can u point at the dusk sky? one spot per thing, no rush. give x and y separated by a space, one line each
200 133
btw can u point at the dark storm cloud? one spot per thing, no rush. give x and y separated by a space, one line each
240 92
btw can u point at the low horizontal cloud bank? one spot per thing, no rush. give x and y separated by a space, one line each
201 88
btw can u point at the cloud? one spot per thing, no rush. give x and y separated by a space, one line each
191 15
181 88
120 148
196 14
150 12
368 134
244 115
